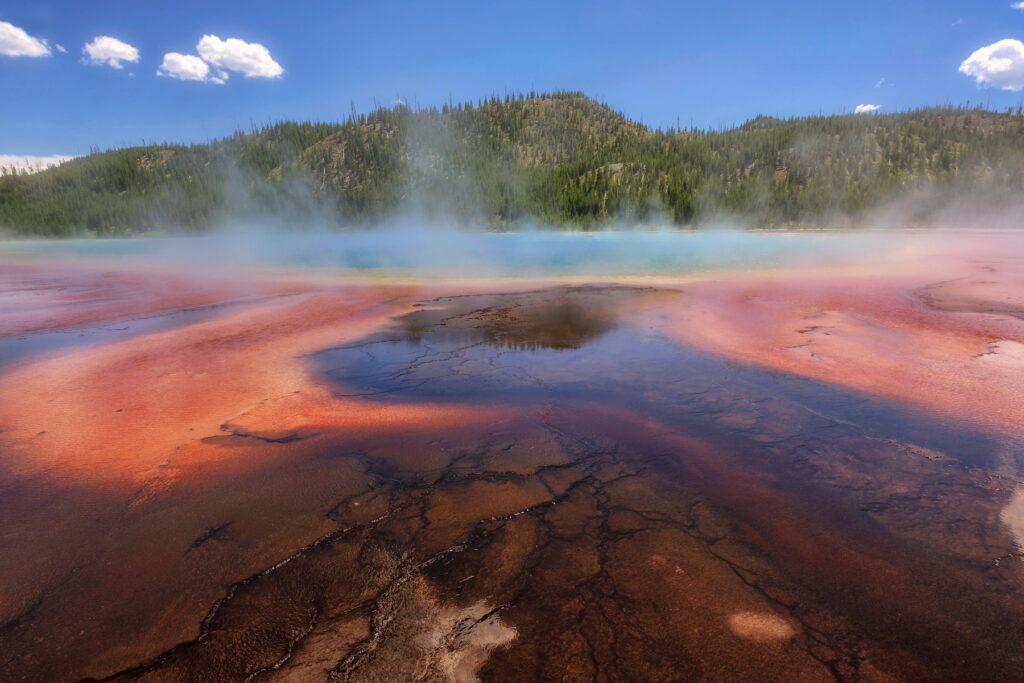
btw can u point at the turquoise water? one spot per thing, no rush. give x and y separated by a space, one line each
453 252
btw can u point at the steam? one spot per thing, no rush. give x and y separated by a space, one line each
423 250
287 226
286 221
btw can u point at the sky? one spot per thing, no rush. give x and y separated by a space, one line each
77 76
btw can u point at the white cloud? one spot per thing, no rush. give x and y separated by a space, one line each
880 83
14 42
1000 65
185 68
107 51
957 22
866 108
252 60
60 48
1018 5
28 163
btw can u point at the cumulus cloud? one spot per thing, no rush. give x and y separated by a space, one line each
29 163
14 42
107 51
60 48
1018 5
219 57
866 108
252 60
186 68
1000 65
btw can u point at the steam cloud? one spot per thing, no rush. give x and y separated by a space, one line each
410 249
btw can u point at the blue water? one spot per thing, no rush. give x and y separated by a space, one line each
450 252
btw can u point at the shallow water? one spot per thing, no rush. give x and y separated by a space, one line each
23 348
446 252
591 343
861 482
540 484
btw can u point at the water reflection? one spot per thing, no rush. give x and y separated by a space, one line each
561 318
570 344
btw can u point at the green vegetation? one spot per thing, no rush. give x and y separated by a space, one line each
555 158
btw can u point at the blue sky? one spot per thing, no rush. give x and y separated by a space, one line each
709 64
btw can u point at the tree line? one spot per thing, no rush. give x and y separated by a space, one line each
553 158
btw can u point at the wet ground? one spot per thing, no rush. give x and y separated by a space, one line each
525 481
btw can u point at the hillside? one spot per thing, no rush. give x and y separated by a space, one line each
558 158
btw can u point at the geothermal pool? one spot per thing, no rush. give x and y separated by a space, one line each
734 458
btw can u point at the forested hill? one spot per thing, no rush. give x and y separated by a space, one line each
555 158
